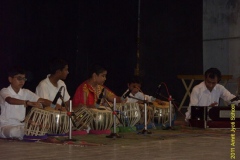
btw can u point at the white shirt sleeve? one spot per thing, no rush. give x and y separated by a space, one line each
225 94
31 96
42 91
5 93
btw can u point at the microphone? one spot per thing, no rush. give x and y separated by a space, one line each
235 99
100 97
54 102
126 94
158 88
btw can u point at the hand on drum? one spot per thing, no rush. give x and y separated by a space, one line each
160 102
60 108
213 104
35 104
124 100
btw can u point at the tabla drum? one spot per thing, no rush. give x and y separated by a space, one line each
83 117
102 118
36 122
58 120
161 113
150 113
129 113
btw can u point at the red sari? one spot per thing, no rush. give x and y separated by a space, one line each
86 95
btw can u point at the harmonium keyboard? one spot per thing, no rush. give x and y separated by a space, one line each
215 117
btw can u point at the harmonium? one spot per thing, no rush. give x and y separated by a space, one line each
215 117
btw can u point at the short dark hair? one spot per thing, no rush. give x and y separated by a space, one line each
212 73
135 79
56 64
96 68
15 71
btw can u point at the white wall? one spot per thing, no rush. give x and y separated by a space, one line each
221 38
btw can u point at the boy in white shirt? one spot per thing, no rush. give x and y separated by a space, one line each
134 95
13 101
53 83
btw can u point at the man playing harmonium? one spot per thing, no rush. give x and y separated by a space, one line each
209 92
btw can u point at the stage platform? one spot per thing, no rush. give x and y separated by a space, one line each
179 142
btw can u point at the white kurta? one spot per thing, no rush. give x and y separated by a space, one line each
12 115
140 96
47 90
201 96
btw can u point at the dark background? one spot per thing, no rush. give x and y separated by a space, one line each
103 31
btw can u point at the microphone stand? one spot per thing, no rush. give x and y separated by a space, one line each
170 113
166 98
144 131
114 134
170 99
112 108
70 114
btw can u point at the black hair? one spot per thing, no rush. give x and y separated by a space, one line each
135 79
212 73
15 71
96 68
57 64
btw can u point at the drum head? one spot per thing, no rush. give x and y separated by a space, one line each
157 105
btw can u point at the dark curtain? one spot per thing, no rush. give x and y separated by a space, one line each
105 32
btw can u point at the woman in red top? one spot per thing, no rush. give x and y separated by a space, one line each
92 92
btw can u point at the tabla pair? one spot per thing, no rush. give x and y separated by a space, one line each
49 121
156 113
102 117
128 115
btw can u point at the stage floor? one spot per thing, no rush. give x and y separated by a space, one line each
180 143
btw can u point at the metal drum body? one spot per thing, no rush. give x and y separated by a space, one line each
161 113
37 122
59 121
83 117
129 113
150 113
102 118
